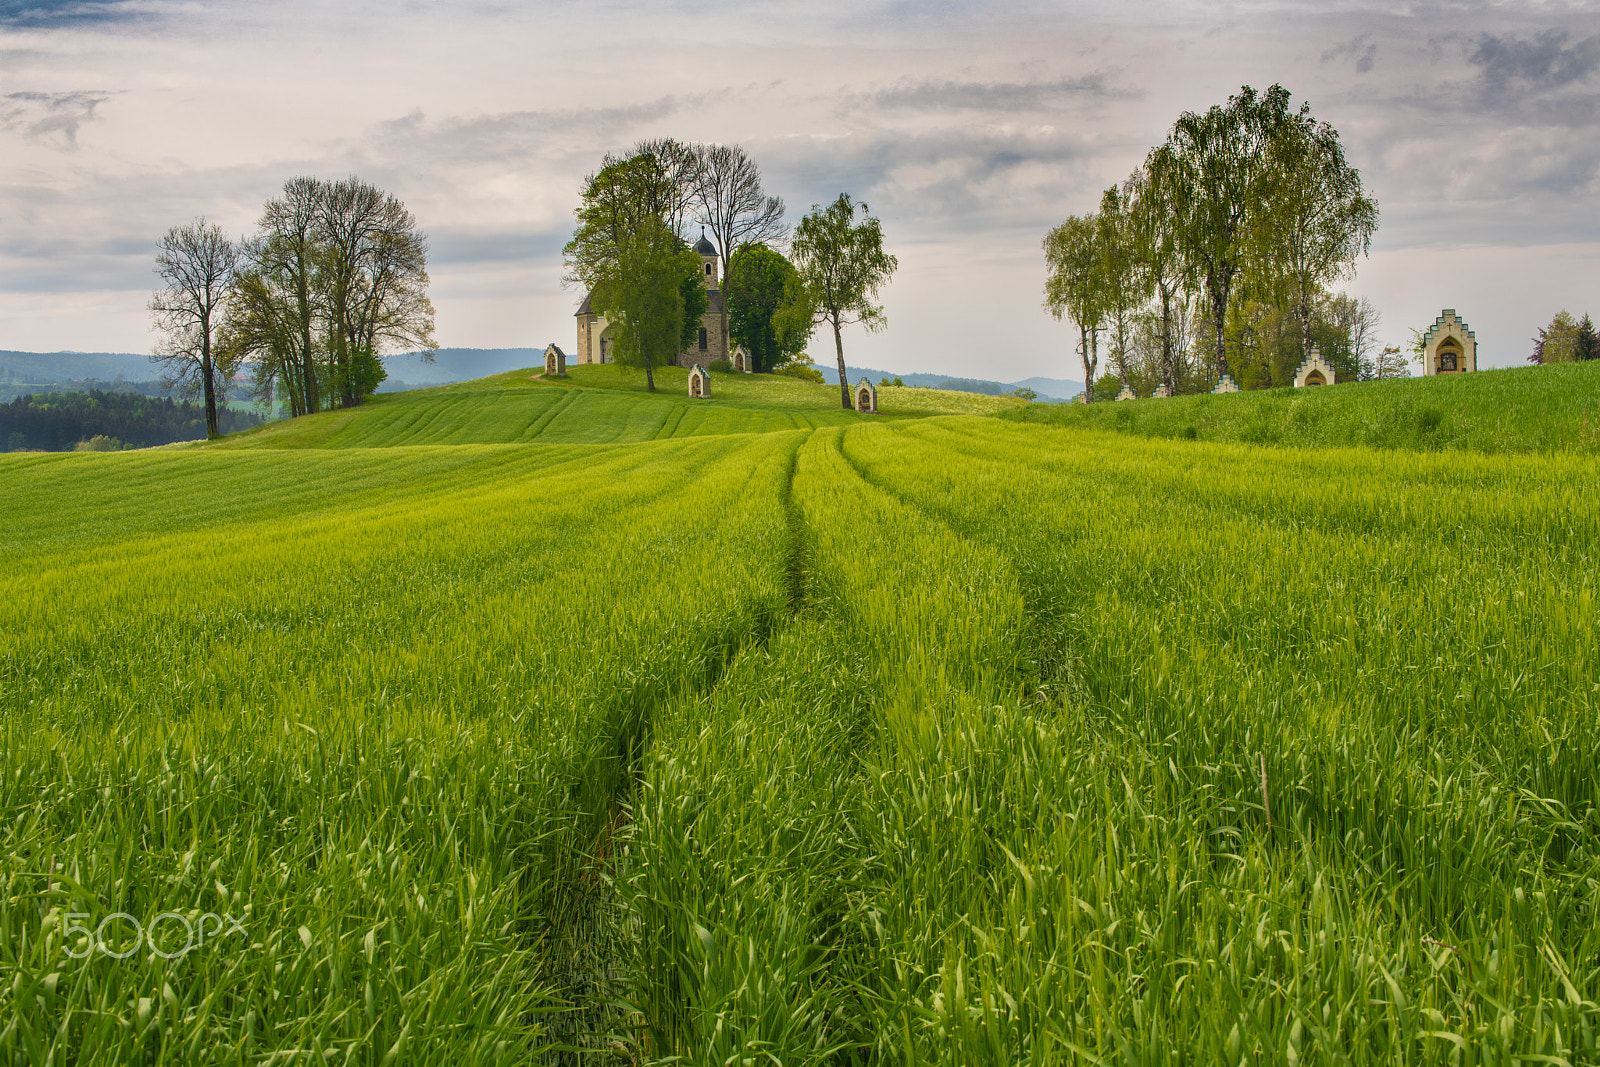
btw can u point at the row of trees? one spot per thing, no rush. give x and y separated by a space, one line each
1566 340
631 251
1225 239
58 422
335 275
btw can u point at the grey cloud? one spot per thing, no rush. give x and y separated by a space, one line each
102 235
519 134
993 95
57 14
47 116
955 181
1543 62
1361 49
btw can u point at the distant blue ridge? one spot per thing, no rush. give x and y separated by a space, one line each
458 365
1049 389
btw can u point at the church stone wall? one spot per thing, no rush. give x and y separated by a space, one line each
716 347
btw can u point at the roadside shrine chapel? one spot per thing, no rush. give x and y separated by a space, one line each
1449 347
595 334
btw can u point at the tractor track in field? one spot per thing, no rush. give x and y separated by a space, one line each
591 933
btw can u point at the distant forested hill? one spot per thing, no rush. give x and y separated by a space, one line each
56 422
1047 388
22 373
458 364
67 366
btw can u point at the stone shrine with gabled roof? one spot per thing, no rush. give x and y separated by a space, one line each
595 333
1449 346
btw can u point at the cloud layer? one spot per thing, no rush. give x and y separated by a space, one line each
969 127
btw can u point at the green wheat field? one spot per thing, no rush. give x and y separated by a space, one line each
557 722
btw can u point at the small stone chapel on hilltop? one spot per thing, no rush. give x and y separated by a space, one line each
595 333
1450 346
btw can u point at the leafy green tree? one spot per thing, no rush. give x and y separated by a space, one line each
1153 211
695 302
1109 385
196 264
336 275
1313 219
840 266
617 202
375 283
1123 274
1075 287
1557 342
1586 345
758 280
639 272
1216 166
262 326
643 294
285 303
1390 363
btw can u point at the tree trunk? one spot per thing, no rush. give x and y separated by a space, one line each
1094 349
844 380
649 375
308 364
1088 371
347 384
1166 337
1122 349
212 430
1089 349
727 338
1304 310
1219 313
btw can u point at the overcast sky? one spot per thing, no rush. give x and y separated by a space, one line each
969 128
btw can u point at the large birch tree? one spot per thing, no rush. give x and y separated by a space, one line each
841 265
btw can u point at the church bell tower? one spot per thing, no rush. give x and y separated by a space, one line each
708 261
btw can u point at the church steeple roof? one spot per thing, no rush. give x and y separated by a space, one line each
703 246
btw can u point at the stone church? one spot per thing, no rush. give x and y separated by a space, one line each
595 335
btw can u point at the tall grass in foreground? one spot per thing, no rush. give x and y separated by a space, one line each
1148 754
943 741
386 740
1311 775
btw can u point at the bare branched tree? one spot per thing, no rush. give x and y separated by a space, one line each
681 166
286 259
196 263
261 328
734 207
376 282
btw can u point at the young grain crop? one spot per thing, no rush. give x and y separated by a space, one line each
386 738
1405 642
904 741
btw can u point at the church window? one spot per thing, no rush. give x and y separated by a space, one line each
702 338
708 268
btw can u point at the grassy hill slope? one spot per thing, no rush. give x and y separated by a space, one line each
1524 409
600 404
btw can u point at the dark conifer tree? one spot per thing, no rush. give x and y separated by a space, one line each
1588 345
